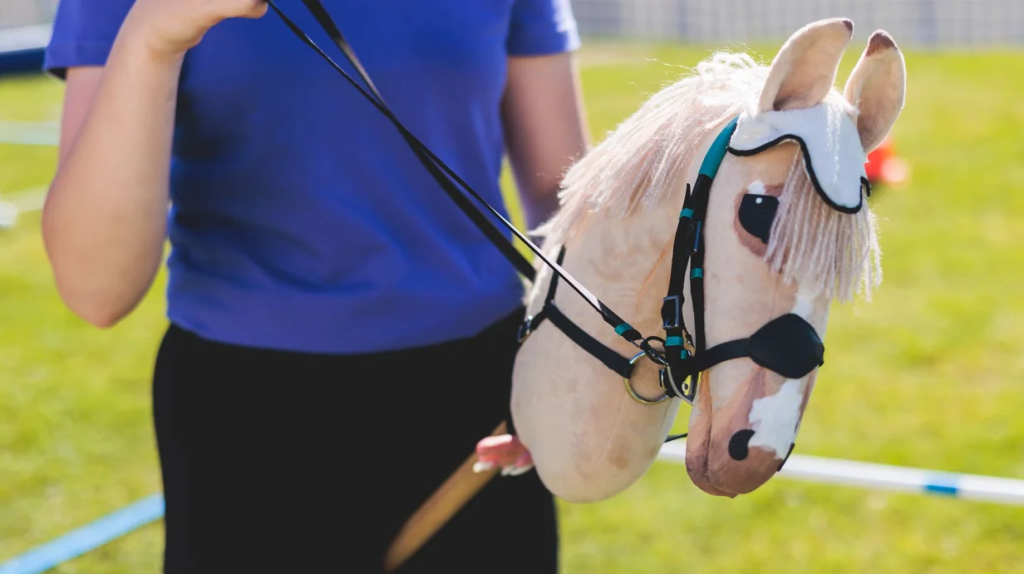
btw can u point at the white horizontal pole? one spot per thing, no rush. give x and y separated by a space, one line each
886 477
30 133
26 199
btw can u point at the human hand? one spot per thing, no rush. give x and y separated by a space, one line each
169 28
505 451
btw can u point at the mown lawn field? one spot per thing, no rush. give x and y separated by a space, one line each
928 374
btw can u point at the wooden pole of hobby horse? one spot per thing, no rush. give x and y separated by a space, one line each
461 486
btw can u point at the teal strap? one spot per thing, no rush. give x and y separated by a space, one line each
623 328
673 341
713 159
698 272
686 213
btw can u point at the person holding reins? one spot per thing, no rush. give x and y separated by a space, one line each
340 335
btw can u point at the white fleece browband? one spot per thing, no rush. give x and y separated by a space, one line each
833 154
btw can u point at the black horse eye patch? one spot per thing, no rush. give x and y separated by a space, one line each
756 214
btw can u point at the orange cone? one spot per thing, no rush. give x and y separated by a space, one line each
884 166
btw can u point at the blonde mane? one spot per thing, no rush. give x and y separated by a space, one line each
643 161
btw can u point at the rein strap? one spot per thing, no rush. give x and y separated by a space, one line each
439 171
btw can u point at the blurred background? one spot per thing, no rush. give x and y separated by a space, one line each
928 374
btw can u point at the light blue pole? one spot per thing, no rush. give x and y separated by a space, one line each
88 537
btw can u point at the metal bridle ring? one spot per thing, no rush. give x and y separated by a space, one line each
652 353
690 395
632 393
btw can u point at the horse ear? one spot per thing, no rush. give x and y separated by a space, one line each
877 87
804 70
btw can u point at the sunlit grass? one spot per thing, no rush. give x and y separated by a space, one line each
927 374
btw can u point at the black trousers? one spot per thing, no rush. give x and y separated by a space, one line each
290 462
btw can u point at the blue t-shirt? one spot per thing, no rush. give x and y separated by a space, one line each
300 219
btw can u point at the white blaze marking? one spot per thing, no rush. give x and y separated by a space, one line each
774 418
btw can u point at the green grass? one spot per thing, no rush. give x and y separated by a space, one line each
929 374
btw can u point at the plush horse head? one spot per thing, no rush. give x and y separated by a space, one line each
787 229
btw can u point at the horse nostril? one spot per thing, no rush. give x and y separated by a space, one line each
738 444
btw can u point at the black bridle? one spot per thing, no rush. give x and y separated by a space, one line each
787 345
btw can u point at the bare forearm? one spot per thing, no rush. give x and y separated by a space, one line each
539 201
545 129
104 222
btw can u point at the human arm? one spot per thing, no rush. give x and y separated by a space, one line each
545 128
104 220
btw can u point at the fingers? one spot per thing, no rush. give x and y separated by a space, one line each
523 463
254 8
499 444
505 451
258 10
222 9
515 470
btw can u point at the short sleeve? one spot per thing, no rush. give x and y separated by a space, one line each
541 27
83 32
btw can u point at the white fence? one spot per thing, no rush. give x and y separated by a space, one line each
24 13
924 23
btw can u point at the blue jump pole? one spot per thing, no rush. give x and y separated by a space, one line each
88 537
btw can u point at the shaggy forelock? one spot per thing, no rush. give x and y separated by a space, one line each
644 160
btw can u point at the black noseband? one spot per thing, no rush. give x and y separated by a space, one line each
787 345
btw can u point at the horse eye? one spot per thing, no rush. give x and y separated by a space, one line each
757 213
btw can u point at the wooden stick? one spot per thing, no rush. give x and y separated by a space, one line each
461 486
